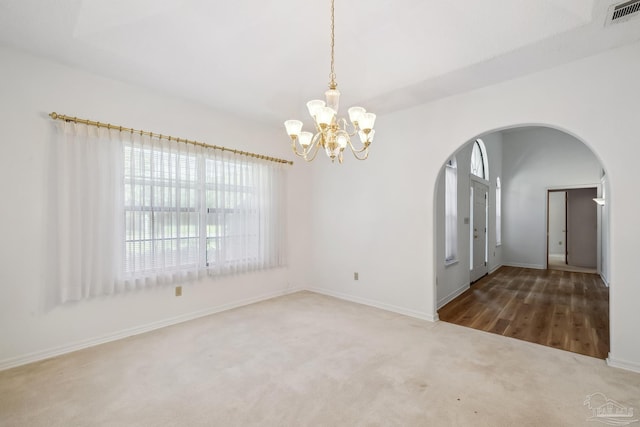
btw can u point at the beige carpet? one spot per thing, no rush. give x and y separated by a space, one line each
311 360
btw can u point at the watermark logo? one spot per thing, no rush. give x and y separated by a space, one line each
608 411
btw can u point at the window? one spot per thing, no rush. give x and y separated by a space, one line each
451 211
479 166
498 212
234 229
161 209
199 209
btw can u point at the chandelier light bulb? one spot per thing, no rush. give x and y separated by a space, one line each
364 137
314 106
355 113
342 139
366 121
293 127
305 138
325 116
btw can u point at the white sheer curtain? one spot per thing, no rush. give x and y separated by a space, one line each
131 210
245 216
162 210
85 213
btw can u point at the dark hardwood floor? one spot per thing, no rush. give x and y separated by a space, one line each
561 309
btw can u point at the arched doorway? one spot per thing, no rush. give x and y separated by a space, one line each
525 163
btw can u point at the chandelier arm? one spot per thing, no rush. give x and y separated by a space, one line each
299 154
354 150
347 125
305 152
315 153
364 157
317 138
294 147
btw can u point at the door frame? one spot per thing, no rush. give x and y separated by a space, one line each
598 187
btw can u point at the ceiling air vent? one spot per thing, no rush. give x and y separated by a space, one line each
623 11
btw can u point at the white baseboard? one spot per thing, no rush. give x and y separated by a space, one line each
79 345
453 295
623 364
384 306
604 280
523 265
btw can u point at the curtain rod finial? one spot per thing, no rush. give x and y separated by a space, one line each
53 115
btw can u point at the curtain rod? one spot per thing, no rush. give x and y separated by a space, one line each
56 116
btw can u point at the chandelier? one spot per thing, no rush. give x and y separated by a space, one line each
332 133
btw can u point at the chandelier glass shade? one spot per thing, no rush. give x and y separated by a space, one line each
332 133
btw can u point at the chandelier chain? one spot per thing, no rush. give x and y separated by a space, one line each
332 75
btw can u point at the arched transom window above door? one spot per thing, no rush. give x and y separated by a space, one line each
479 164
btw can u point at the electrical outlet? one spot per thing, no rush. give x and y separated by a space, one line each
178 291
355 276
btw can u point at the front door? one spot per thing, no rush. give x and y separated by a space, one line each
479 203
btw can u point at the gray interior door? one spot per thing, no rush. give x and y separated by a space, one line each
582 228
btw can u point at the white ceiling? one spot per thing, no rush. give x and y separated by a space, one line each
265 58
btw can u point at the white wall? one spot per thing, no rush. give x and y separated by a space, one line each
454 279
377 217
31 88
536 159
370 217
